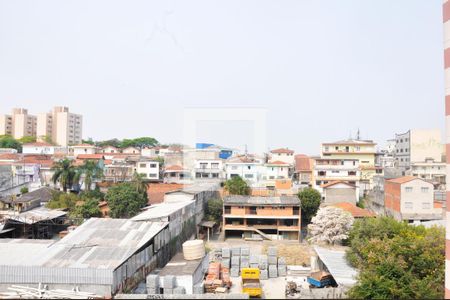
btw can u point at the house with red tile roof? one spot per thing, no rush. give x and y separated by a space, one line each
42 148
283 154
303 170
354 210
82 149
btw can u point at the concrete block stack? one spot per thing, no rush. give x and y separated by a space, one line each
263 262
235 262
273 271
263 274
254 261
152 284
226 253
169 284
199 288
282 269
179 290
226 262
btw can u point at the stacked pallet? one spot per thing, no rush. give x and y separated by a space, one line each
218 277
152 284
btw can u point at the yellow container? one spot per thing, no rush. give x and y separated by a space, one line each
250 273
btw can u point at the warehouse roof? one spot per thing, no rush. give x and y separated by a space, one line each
37 215
250 200
161 210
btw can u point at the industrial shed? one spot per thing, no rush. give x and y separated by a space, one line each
102 256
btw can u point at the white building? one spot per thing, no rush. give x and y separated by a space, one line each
208 169
131 150
110 149
431 171
248 167
149 169
276 170
417 145
329 170
42 148
82 149
19 124
283 154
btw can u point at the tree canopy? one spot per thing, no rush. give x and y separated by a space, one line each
309 203
124 200
214 210
397 260
7 141
91 171
66 173
237 186
330 225
139 142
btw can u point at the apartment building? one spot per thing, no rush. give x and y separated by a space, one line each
149 169
431 171
208 169
18 124
272 218
362 150
417 145
327 170
303 170
411 199
64 128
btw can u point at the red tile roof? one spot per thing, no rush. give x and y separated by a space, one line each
9 156
356 211
174 168
282 150
90 156
331 183
302 163
403 179
277 162
38 144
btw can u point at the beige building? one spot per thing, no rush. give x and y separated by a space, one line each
18 124
64 128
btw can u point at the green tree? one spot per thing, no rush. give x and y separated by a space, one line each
91 171
111 142
88 209
95 193
24 190
48 139
7 141
27 139
397 260
124 200
64 172
214 210
139 183
237 186
139 142
309 203
63 201
88 141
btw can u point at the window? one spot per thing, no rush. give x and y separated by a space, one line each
142 165
215 175
426 205
152 175
408 205
326 149
358 148
215 165
248 175
152 165
203 165
408 189
335 172
424 189
249 167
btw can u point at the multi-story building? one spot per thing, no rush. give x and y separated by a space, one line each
303 170
417 145
431 171
18 124
249 167
327 170
283 154
149 169
410 198
82 149
64 128
208 169
270 218
362 150
42 148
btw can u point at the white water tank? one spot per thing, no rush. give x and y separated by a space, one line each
194 249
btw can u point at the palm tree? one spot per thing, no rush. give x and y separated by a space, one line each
64 172
91 171
139 183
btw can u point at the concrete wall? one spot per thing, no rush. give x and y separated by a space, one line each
340 193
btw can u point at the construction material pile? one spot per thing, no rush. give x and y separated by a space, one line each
270 266
217 278
169 285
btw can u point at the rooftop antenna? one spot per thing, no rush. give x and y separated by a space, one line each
358 135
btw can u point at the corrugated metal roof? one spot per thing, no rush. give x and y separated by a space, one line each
337 265
37 215
161 210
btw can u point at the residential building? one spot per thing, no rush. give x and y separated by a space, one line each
283 154
82 149
410 198
149 169
42 148
272 218
177 174
110 149
303 170
131 150
274 172
328 170
18 124
362 150
339 191
64 128
417 145
431 171
249 167
208 169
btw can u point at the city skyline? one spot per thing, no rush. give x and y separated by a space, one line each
329 69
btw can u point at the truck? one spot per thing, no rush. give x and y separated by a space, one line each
250 282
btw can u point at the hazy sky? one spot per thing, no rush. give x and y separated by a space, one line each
322 69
